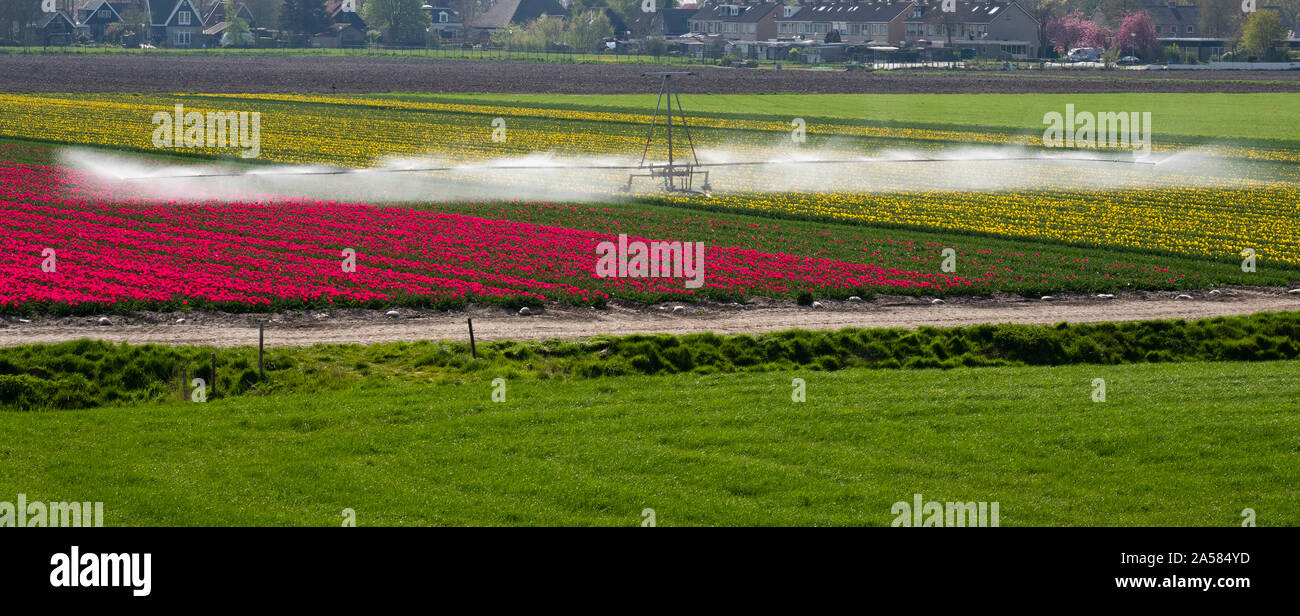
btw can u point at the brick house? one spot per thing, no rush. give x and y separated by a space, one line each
736 20
94 16
51 29
1003 30
346 29
856 22
663 22
175 23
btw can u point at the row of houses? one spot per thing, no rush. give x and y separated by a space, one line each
180 23
1002 29
1005 27
746 28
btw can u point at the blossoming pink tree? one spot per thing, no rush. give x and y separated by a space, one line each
1074 30
1136 35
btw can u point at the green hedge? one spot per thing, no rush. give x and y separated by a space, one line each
87 373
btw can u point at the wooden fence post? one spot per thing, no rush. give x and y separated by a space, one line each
261 339
472 350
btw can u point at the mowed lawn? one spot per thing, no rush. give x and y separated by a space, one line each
1173 444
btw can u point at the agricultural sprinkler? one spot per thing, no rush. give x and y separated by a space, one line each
678 174
677 177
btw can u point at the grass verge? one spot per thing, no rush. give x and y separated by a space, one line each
86 373
1173 444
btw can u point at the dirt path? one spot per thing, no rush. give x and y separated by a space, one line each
760 315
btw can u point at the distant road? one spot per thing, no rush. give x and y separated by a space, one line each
227 73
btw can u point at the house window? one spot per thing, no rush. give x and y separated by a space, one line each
1189 29
105 12
182 38
183 18
442 18
695 27
735 10
789 10
916 12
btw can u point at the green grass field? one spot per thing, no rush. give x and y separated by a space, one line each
1266 116
1173 444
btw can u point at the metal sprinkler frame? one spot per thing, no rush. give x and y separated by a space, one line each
677 177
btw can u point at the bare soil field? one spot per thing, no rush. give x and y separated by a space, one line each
219 74
357 326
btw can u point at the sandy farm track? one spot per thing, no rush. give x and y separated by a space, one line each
221 73
756 316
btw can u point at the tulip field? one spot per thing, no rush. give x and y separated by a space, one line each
287 253
119 248
383 317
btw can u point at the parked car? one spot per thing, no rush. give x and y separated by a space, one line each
1083 54
1129 61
